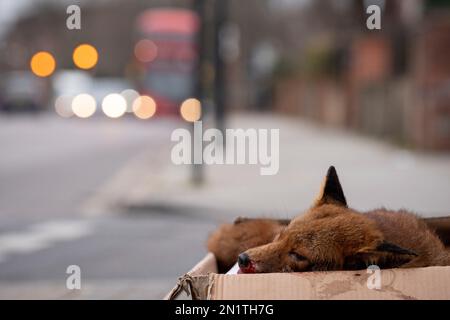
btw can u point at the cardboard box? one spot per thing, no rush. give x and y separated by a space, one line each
203 282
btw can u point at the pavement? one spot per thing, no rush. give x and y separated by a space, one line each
105 195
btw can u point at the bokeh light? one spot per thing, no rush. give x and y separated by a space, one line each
114 105
43 64
191 110
130 96
145 50
63 106
144 107
84 105
85 56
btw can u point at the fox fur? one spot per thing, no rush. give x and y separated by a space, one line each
328 236
232 239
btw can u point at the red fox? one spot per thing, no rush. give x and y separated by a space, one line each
328 236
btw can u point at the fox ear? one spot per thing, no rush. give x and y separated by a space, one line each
385 255
331 191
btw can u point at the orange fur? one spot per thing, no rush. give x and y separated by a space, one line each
231 239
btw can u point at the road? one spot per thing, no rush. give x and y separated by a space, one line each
49 167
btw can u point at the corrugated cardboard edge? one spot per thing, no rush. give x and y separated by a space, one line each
195 283
396 284
203 283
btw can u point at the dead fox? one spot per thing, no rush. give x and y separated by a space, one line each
328 236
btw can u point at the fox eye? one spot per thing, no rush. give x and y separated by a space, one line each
298 257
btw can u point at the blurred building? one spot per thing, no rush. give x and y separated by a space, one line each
392 83
108 25
315 59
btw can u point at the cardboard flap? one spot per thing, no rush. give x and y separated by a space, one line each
195 282
421 283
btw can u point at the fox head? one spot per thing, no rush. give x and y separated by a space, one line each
329 236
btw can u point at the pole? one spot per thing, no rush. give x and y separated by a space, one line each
200 7
220 88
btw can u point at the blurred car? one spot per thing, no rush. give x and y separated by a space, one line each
71 82
21 91
101 87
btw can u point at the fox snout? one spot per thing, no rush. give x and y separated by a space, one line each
265 258
244 260
246 265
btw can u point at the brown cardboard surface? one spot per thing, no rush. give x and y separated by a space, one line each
422 283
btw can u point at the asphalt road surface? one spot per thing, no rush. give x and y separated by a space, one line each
48 167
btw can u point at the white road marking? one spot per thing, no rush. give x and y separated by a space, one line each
41 236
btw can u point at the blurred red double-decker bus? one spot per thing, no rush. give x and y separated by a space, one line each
166 54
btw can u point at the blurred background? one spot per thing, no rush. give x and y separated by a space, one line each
86 116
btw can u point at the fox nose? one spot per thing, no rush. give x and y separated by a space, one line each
243 260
